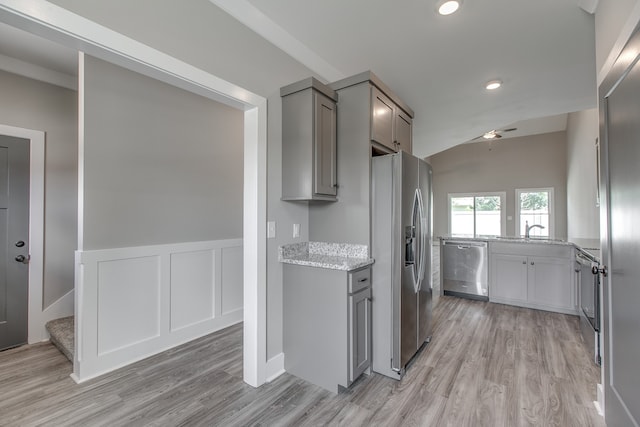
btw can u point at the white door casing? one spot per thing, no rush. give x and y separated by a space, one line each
58 24
36 317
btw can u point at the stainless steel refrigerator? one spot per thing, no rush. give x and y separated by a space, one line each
401 246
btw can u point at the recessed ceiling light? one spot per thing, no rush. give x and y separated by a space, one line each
448 7
492 134
493 84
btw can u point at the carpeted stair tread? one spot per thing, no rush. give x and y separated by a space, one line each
62 335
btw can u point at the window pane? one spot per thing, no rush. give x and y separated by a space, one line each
462 216
488 216
534 209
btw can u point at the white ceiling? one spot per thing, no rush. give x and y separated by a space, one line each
543 50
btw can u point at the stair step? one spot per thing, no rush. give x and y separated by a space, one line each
62 335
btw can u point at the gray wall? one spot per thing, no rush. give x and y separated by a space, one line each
610 17
348 219
502 165
35 105
285 214
201 34
583 216
162 165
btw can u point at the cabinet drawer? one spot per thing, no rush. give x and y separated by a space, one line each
359 279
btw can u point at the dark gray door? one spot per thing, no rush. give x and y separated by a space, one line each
14 240
620 139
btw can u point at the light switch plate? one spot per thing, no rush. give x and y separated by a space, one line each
271 229
296 230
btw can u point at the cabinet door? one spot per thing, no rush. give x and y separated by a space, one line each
382 117
550 282
360 333
509 274
403 134
325 145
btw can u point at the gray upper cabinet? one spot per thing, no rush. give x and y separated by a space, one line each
324 164
403 131
391 127
382 117
309 163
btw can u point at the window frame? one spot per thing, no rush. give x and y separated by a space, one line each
503 213
552 209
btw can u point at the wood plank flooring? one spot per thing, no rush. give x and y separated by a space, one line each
487 365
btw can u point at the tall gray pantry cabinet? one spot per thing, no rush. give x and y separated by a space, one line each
309 169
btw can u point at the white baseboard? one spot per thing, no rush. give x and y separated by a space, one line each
599 404
275 367
63 307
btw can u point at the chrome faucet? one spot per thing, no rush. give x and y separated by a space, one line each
527 228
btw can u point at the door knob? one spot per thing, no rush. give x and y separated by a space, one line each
601 270
23 259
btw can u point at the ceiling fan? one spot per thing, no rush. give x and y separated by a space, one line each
494 134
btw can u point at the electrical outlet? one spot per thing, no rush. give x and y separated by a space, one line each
271 229
296 230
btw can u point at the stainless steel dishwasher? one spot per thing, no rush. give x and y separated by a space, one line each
465 269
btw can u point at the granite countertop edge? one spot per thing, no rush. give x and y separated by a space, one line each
347 264
333 256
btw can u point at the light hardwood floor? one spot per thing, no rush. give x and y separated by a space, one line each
487 365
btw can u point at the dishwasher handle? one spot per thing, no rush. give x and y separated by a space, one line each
465 245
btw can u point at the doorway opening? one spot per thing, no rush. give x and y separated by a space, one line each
58 24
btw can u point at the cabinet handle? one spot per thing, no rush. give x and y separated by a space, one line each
532 262
364 279
524 262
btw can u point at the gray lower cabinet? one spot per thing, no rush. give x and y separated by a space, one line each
327 324
309 141
533 275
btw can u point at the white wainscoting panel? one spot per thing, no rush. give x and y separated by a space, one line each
232 284
128 302
192 288
132 303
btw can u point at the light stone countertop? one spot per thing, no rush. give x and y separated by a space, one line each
335 256
590 246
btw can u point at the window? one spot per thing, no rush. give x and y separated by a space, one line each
476 214
534 206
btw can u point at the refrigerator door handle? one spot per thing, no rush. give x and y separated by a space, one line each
422 236
416 225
